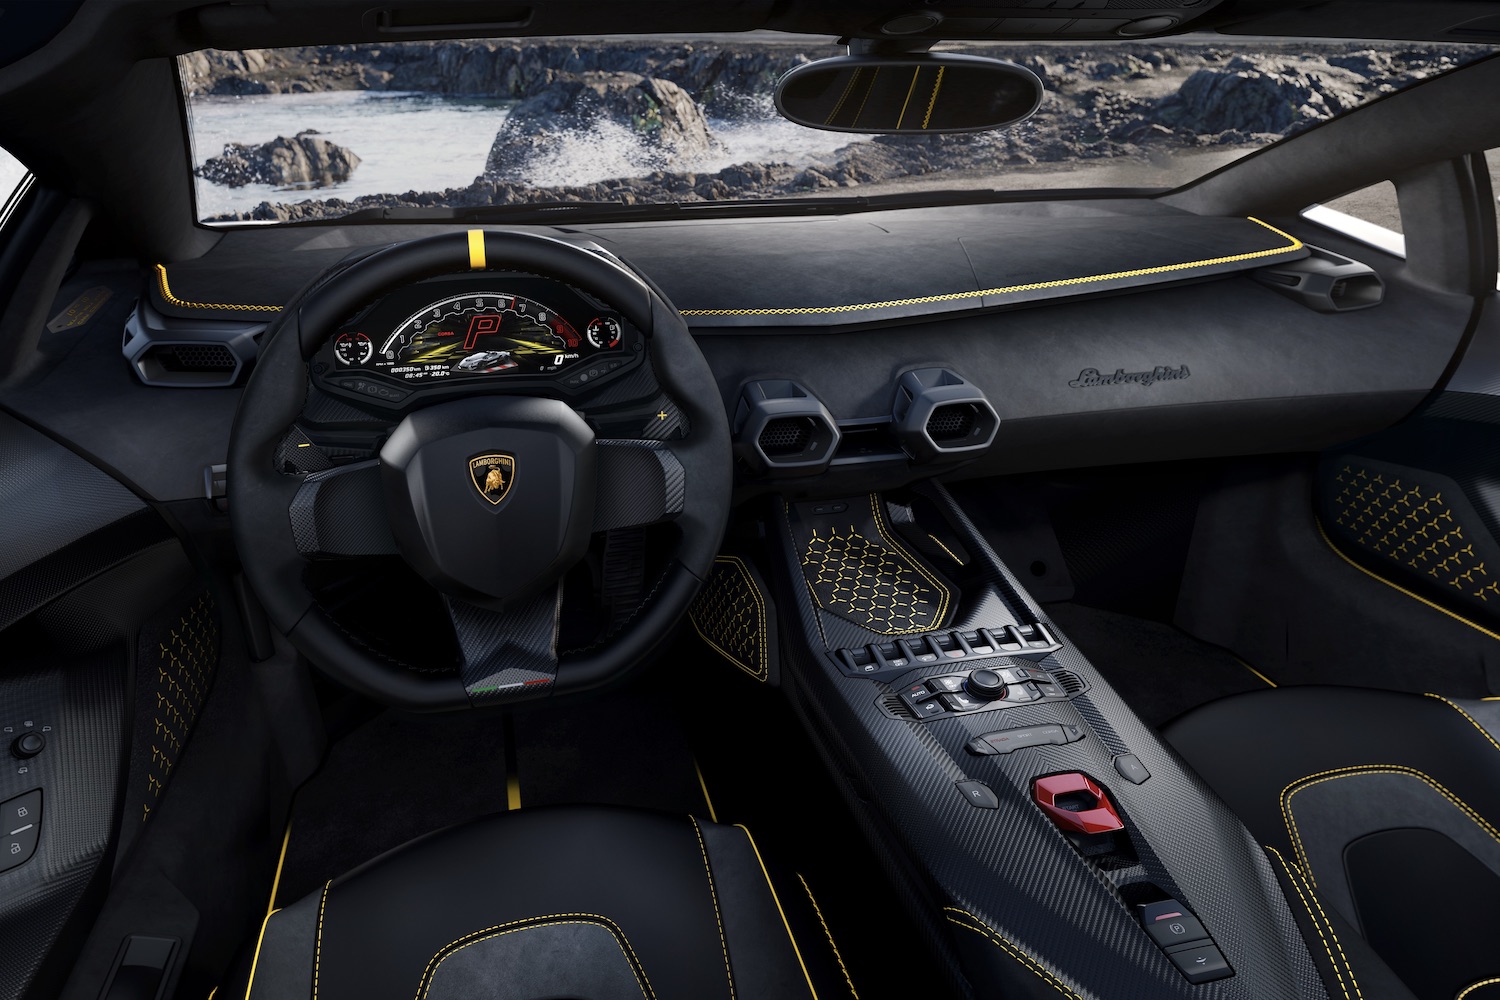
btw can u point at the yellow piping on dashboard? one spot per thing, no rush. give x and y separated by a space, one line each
1292 244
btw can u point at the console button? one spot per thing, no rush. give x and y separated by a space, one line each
927 709
1022 692
959 701
1200 963
980 747
1169 924
1007 740
955 683
1131 768
1051 690
978 794
918 691
20 828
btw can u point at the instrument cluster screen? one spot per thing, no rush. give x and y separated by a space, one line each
494 326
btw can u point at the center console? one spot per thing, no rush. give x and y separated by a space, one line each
1055 843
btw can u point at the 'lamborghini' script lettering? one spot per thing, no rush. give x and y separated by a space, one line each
1090 377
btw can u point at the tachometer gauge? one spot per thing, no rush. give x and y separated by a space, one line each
353 348
604 332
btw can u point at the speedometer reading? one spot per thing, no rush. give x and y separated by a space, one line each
478 334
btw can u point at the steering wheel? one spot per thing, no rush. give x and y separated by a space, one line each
498 564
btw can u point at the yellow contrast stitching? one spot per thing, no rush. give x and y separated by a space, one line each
1333 963
777 900
1027 962
318 941
1454 705
166 294
932 101
1293 244
1401 589
939 543
764 622
1462 993
1344 772
714 895
424 985
840 958
942 611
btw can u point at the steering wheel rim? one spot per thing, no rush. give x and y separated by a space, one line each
260 497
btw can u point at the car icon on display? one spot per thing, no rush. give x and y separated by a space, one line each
486 361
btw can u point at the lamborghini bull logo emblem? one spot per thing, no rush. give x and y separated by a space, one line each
492 475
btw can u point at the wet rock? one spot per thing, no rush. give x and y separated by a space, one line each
1259 96
305 160
663 119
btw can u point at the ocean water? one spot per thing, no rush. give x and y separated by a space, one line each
421 142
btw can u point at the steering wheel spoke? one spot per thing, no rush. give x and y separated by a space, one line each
639 483
341 512
511 653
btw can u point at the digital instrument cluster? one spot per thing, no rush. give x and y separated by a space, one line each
478 327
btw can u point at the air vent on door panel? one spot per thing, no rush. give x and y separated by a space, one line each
781 429
938 416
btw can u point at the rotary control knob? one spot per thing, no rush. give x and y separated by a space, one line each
986 684
28 745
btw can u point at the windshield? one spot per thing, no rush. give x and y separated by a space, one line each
300 134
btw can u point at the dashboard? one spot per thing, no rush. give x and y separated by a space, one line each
524 331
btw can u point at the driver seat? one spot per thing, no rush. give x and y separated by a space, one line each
586 902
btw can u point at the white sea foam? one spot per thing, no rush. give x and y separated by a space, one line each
418 142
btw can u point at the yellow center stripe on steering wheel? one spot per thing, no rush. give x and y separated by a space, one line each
476 250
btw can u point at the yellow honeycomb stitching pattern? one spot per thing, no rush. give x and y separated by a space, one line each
1413 528
873 582
730 615
182 668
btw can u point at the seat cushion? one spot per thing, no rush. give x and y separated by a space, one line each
1390 804
587 902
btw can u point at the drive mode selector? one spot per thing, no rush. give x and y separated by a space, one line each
987 684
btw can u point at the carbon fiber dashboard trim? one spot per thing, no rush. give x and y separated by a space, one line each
1009 869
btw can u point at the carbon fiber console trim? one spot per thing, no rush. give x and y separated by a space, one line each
1008 870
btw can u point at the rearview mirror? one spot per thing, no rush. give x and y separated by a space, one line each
923 93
